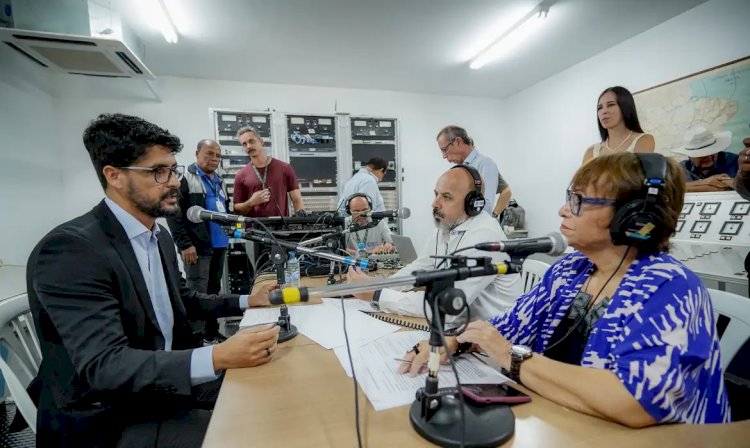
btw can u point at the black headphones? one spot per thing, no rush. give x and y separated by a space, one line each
636 219
356 195
474 201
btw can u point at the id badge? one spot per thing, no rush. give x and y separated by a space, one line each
220 206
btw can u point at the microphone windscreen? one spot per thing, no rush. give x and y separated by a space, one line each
194 214
404 213
559 243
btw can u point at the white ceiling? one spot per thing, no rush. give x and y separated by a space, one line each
404 45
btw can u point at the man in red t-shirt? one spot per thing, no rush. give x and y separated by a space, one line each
261 187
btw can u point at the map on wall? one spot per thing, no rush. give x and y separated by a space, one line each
718 98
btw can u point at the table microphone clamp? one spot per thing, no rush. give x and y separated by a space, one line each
288 331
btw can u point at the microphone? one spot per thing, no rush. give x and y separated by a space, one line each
198 214
402 212
552 244
349 261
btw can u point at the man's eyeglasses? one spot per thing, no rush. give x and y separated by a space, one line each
444 149
575 200
162 174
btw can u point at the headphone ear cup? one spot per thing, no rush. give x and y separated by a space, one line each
632 225
473 203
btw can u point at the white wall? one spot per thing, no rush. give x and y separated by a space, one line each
30 173
184 111
552 123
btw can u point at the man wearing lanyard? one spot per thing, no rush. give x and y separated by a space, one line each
202 245
261 187
377 239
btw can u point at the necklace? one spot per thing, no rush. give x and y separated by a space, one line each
606 143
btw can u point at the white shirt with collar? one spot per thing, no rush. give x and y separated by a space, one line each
487 296
488 170
201 359
363 182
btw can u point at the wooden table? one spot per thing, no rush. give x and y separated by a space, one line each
303 398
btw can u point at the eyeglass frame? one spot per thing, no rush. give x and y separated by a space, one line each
576 210
172 170
444 149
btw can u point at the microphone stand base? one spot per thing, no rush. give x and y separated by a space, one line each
486 425
285 335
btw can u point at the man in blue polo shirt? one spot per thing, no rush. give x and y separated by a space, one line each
202 245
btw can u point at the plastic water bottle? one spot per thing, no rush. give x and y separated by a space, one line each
291 272
362 254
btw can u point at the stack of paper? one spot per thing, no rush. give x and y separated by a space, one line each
324 323
376 365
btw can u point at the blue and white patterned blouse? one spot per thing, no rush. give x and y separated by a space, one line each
658 334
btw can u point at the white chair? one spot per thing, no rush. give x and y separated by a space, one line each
737 309
532 272
17 334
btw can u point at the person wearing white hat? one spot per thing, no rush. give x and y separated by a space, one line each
709 167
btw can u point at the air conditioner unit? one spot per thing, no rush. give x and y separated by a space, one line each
77 55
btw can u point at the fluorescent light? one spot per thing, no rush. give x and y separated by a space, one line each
509 40
159 17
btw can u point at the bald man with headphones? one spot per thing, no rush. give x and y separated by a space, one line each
459 222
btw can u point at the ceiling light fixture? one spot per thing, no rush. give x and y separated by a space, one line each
513 36
160 19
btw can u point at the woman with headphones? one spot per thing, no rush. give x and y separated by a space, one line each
618 329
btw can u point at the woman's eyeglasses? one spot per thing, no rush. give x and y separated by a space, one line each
576 199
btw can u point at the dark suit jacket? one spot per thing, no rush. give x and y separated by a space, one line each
103 363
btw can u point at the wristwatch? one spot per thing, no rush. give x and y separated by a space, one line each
518 354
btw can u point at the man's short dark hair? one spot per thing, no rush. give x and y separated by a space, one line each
121 140
377 164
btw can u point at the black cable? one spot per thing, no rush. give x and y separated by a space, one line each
354 375
583 315
455 371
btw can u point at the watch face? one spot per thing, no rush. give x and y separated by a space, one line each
521 350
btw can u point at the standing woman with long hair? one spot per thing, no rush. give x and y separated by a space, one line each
618 125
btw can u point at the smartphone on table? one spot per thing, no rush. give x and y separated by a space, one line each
494 393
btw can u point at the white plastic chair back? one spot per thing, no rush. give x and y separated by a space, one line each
18 336
532 272
737 309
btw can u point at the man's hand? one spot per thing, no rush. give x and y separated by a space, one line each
260 298
189 255
721 181
350 251
355 275
247 348
489 340
260 197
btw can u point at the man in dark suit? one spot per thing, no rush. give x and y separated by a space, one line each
120 364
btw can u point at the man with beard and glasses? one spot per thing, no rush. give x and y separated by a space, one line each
455 229
120 365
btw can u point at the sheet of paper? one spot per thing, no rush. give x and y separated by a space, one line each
324 325
254 316
351 304
376 366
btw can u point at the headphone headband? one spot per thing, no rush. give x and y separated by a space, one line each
474 200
